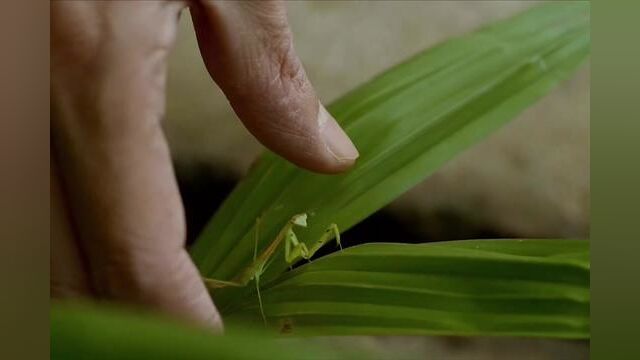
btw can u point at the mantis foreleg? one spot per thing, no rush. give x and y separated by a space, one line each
295 250
330 233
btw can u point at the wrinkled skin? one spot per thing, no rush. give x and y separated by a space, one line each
118 226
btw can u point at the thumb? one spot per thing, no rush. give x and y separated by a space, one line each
107 93
248 50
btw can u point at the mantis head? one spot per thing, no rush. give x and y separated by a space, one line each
300 220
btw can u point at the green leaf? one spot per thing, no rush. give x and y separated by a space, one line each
473 287
94 333
406 123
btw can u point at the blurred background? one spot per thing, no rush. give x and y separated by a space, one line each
530 179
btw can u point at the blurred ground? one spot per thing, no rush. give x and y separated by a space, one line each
529 179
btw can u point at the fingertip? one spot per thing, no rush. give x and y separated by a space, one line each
342 153
337 142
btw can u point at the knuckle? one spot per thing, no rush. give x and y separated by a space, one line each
169 283
281 81
265 11
132 259
125 273
289 73
273 64
133 275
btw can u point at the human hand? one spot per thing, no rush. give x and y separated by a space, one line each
118 226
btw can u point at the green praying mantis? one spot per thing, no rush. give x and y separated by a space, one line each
294 250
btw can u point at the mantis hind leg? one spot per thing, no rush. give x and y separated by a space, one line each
218 284
264 317
259 271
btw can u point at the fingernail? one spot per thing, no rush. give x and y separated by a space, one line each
337 142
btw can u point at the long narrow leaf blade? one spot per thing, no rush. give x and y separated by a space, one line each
406 123
94 333
476 287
